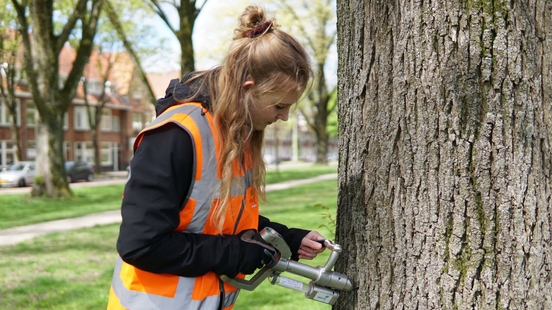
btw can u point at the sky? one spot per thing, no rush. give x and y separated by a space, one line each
212 34
213 31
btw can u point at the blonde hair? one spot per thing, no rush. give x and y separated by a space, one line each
276 62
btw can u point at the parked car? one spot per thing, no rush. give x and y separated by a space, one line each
18 174
78 170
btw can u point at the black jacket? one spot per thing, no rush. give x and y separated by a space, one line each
160 178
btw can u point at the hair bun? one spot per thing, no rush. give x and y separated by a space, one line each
253 23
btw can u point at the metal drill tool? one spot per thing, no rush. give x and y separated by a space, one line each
324 285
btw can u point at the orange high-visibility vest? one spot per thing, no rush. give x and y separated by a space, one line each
137 289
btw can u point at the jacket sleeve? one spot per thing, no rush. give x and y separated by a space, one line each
292 236
160 178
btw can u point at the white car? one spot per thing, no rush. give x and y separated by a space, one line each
18 174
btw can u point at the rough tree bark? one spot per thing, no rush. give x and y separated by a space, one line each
445 162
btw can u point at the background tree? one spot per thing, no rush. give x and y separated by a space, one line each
445 162
187 15
314 24
117 34
129 33
104 63
10 74
42 51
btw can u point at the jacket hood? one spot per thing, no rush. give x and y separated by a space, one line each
178 92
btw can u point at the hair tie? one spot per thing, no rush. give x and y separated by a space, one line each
259 30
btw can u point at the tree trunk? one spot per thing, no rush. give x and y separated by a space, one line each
50 177
16 135
8 99
322 138
445 162
41 68
97 150
321 116
9 49
50 180
187 13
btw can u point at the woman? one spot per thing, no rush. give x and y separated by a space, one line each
190 206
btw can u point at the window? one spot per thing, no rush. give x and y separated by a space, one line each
94 87
31 150
106 153
67 150
7 151
31 114
5 115
65 121
20 75
137 124
137 91
84 151
81 119
116 123
106 123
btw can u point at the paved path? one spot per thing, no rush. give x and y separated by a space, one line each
22 233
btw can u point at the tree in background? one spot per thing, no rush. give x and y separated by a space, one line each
130 34
104 63
445 132
42 51
10 76
187 15
117 34
314 24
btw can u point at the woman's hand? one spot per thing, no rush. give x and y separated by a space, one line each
310 247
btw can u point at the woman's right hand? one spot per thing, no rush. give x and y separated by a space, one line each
254 251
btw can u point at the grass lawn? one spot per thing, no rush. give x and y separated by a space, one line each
19 209
73 270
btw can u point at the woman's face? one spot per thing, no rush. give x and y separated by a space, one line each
269 108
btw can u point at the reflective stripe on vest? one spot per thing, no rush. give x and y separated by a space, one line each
183 299
133 288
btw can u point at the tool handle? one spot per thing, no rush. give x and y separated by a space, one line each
250 284
277 241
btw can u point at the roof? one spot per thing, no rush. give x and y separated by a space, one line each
160 80
121 75
96 70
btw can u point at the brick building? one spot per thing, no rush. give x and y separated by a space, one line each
127 110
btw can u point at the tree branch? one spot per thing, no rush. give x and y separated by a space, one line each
300 26
83 54
128 46
68 27
200 8
157 9
27 48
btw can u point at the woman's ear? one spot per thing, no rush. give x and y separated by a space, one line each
247 84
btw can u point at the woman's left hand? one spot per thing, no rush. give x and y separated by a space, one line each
310 247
